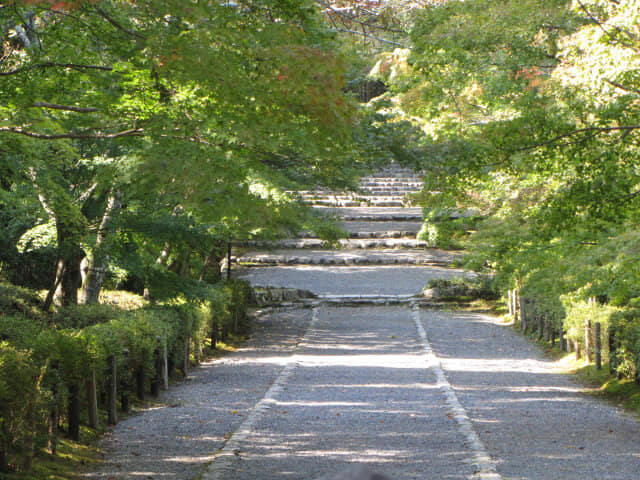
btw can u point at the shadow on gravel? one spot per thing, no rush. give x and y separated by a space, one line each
535 420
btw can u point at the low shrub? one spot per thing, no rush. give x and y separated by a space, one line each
16 300
624 332
46 360
479 287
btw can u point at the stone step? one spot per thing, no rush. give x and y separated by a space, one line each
388 190
373 214
350 257
351 243
388 183
337 203
362 202
391 229
352 197
386 234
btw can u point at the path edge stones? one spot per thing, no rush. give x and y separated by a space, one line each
486 468
223 459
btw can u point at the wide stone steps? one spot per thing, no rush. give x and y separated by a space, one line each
350 257
373 214
390 229
351 243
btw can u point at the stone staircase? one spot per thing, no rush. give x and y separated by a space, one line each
390 187
381 224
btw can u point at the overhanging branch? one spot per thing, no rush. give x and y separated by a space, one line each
594 130
73 66
69 108
71 135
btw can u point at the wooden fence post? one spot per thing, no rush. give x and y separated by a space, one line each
113 391
540 318
185 359
140 382
229 260
613 363
514 299
92 399
214 333
54 414
157 368
587 341
124 395
510 302
598 345
165 366
562 340
523 313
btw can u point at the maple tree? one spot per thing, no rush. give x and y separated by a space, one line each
203 112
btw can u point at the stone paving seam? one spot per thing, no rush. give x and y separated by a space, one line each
222 462
486 467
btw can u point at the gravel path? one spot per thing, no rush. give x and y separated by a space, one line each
365 386
342 280
362 393
411 393
177 438
535 421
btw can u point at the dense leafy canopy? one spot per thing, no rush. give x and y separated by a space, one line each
530 115
166 126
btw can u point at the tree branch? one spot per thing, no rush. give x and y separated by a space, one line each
109 19
368 35
56 106
59 136
597 130
73 66
622 87
87 193
344 13
607 33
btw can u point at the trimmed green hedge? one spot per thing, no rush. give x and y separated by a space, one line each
45 359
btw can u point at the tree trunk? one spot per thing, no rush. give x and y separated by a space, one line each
67 291
213 259
161 260
70 229
97 266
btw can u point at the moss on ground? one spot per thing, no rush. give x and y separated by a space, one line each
71 459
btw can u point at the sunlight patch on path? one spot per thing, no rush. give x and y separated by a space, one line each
222 461
486 466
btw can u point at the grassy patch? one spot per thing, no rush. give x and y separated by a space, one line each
71 460
478 305
223 348
122 299
622 392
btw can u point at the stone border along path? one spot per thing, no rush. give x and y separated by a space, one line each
486 466
222 461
